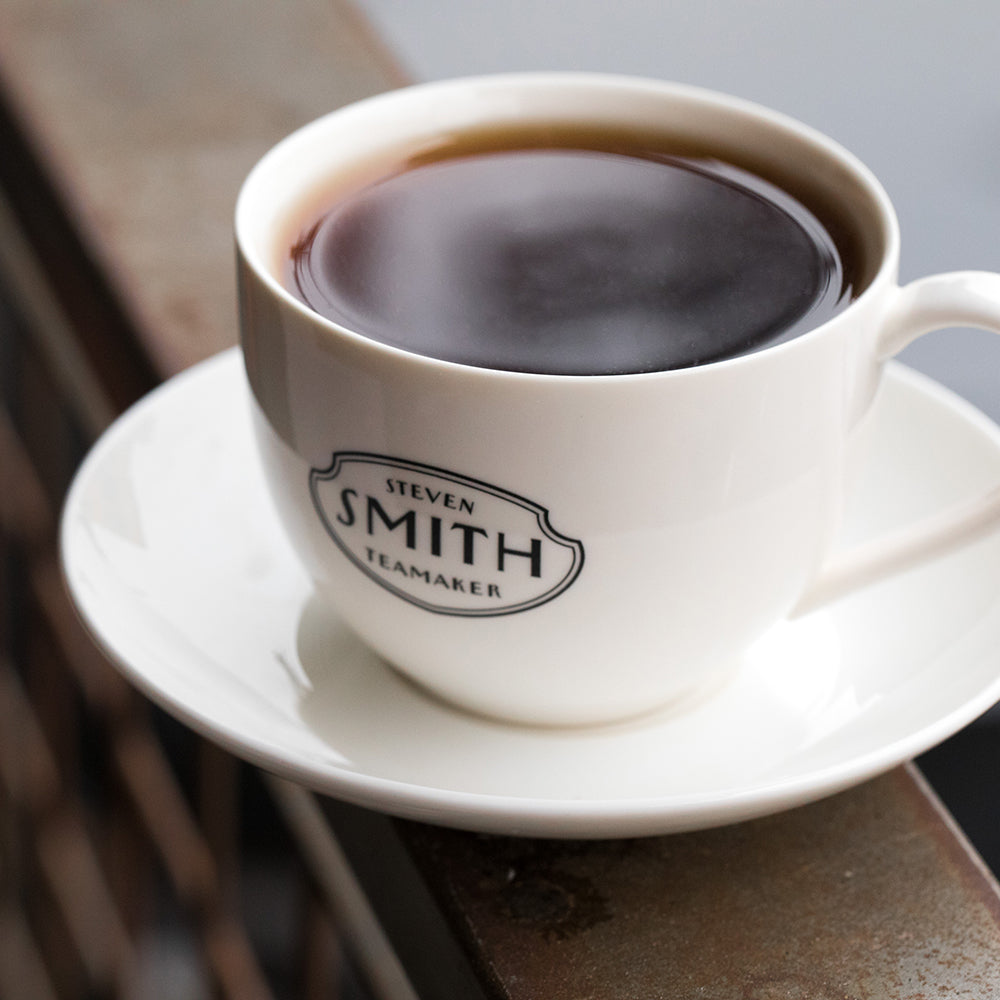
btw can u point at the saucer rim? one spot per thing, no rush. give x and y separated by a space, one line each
508 814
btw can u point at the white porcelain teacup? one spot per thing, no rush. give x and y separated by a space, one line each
573 549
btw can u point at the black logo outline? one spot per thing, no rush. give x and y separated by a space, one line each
541 514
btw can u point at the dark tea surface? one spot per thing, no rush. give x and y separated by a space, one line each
571 261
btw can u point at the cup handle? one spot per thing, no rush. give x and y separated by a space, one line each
962 298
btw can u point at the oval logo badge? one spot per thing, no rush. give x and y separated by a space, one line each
443 541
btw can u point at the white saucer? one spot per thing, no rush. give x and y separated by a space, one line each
176 562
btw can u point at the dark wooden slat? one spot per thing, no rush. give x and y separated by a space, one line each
65 850
53 803
22 968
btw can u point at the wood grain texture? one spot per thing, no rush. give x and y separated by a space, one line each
148 115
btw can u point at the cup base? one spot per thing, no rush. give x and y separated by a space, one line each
547 718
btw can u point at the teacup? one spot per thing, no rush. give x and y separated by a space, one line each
567 548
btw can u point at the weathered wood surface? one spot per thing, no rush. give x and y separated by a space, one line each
148 116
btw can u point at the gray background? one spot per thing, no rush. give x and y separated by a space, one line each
913 89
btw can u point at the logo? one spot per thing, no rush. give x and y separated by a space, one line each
440 540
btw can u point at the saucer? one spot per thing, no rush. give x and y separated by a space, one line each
177 564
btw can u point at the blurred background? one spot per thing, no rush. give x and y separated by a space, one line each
140 113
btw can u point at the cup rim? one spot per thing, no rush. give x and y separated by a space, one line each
436 96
